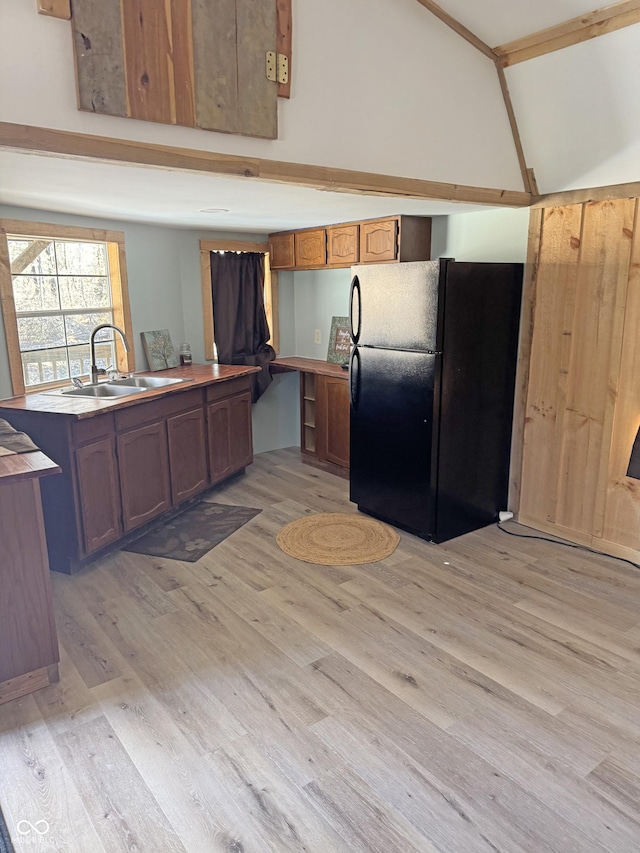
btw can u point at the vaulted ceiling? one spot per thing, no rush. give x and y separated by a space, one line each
572 117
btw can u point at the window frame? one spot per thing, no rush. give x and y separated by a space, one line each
270 289
125 362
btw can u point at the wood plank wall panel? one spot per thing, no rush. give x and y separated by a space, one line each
285 41
582 404
555 286
603 263
214 61
197 63
182 54
146 27
99 56
622 509
257 96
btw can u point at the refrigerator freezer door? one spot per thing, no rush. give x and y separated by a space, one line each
393 435
398 305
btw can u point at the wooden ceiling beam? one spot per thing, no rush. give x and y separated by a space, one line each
105 149
457 27
55 8
582 28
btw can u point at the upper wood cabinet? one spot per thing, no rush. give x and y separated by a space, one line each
388 240
379 241
343 244
311 248
281 252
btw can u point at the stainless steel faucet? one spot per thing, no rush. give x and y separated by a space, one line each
95 371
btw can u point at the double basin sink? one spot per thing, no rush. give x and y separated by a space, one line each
123 387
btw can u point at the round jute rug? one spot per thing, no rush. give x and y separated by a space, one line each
337 539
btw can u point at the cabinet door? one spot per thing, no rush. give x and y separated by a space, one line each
241 433
27 629
219 439
230 437
187 454
99 494
342 244
332 419
311 248
378 241
144 474
281 254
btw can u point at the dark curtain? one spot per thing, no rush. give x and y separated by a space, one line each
240 326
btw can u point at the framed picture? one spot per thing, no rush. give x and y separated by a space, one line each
159 349
339 341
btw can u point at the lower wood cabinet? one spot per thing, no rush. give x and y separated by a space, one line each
99 490
123 468
324 418
187 454
143 462
332 420
28 642
229 436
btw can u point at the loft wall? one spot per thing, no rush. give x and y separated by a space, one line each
578 112
583 402
377 86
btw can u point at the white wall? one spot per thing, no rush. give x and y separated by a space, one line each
378 86
496 235
319 295
578 112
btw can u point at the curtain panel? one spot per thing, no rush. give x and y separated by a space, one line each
240 327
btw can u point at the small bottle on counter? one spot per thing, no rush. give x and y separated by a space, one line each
185 354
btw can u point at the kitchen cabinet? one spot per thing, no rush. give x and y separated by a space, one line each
343 244
281 251
379 241
28 641
187 454
99 490
143 462
127 466
229 435
311 248
332 419
392 239
324 412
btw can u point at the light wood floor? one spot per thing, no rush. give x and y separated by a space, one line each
482 695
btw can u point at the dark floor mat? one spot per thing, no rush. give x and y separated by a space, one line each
191 535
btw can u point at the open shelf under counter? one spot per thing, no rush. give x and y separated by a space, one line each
324 411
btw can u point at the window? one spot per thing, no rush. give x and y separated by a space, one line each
57 283
270 289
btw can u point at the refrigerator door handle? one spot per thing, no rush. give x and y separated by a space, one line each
355 286
354 377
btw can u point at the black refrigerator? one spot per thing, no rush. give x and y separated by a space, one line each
432 378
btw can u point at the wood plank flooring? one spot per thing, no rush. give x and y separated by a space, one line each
481 695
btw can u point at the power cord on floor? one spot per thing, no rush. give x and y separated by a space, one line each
566 544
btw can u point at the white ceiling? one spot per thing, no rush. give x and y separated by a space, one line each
497 21
160 197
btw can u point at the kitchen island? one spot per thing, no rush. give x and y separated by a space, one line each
128 460
28 642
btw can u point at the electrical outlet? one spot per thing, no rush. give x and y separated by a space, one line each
317 337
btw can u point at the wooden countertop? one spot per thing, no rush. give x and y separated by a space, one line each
55 403
308 365
26 466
